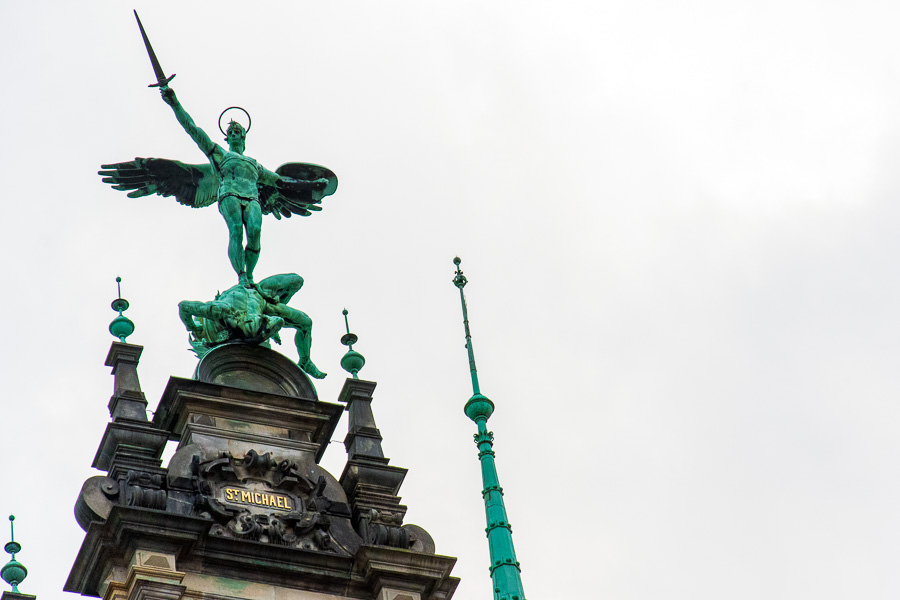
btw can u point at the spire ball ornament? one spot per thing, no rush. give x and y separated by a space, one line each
352 361
478 407
121 327
13 572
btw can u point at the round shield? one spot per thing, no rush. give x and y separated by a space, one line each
310 172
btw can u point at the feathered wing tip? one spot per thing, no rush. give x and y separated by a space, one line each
192 185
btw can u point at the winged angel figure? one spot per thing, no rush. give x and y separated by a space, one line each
243 188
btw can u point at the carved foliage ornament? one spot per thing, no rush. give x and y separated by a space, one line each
261 499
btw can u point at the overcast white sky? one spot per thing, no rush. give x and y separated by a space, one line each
679 221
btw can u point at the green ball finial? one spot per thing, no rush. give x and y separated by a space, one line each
479 407
13 572
121 327
352 361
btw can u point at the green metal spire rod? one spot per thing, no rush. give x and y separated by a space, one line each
460 281
504 568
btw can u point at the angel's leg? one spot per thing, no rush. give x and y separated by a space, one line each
230 208
253 221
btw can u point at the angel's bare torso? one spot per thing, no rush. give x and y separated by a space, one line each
239 177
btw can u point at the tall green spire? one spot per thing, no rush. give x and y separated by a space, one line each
505 571
13 572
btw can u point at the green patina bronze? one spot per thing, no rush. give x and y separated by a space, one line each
13 572
121 327
251 315
243 189
504 568
352 361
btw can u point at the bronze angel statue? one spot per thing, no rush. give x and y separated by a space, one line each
243 189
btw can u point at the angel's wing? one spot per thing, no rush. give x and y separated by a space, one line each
192 185
295 193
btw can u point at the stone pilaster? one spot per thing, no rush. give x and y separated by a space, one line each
363 440
17 596
150 576
370 482
400 575
128 401
131 446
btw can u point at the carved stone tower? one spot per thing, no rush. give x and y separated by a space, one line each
243 510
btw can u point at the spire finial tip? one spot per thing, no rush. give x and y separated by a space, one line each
352 361
122 326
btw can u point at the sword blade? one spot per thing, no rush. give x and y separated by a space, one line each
161 79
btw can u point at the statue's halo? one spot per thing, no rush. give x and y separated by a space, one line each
249 120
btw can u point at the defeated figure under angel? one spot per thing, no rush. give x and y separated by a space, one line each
251 315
